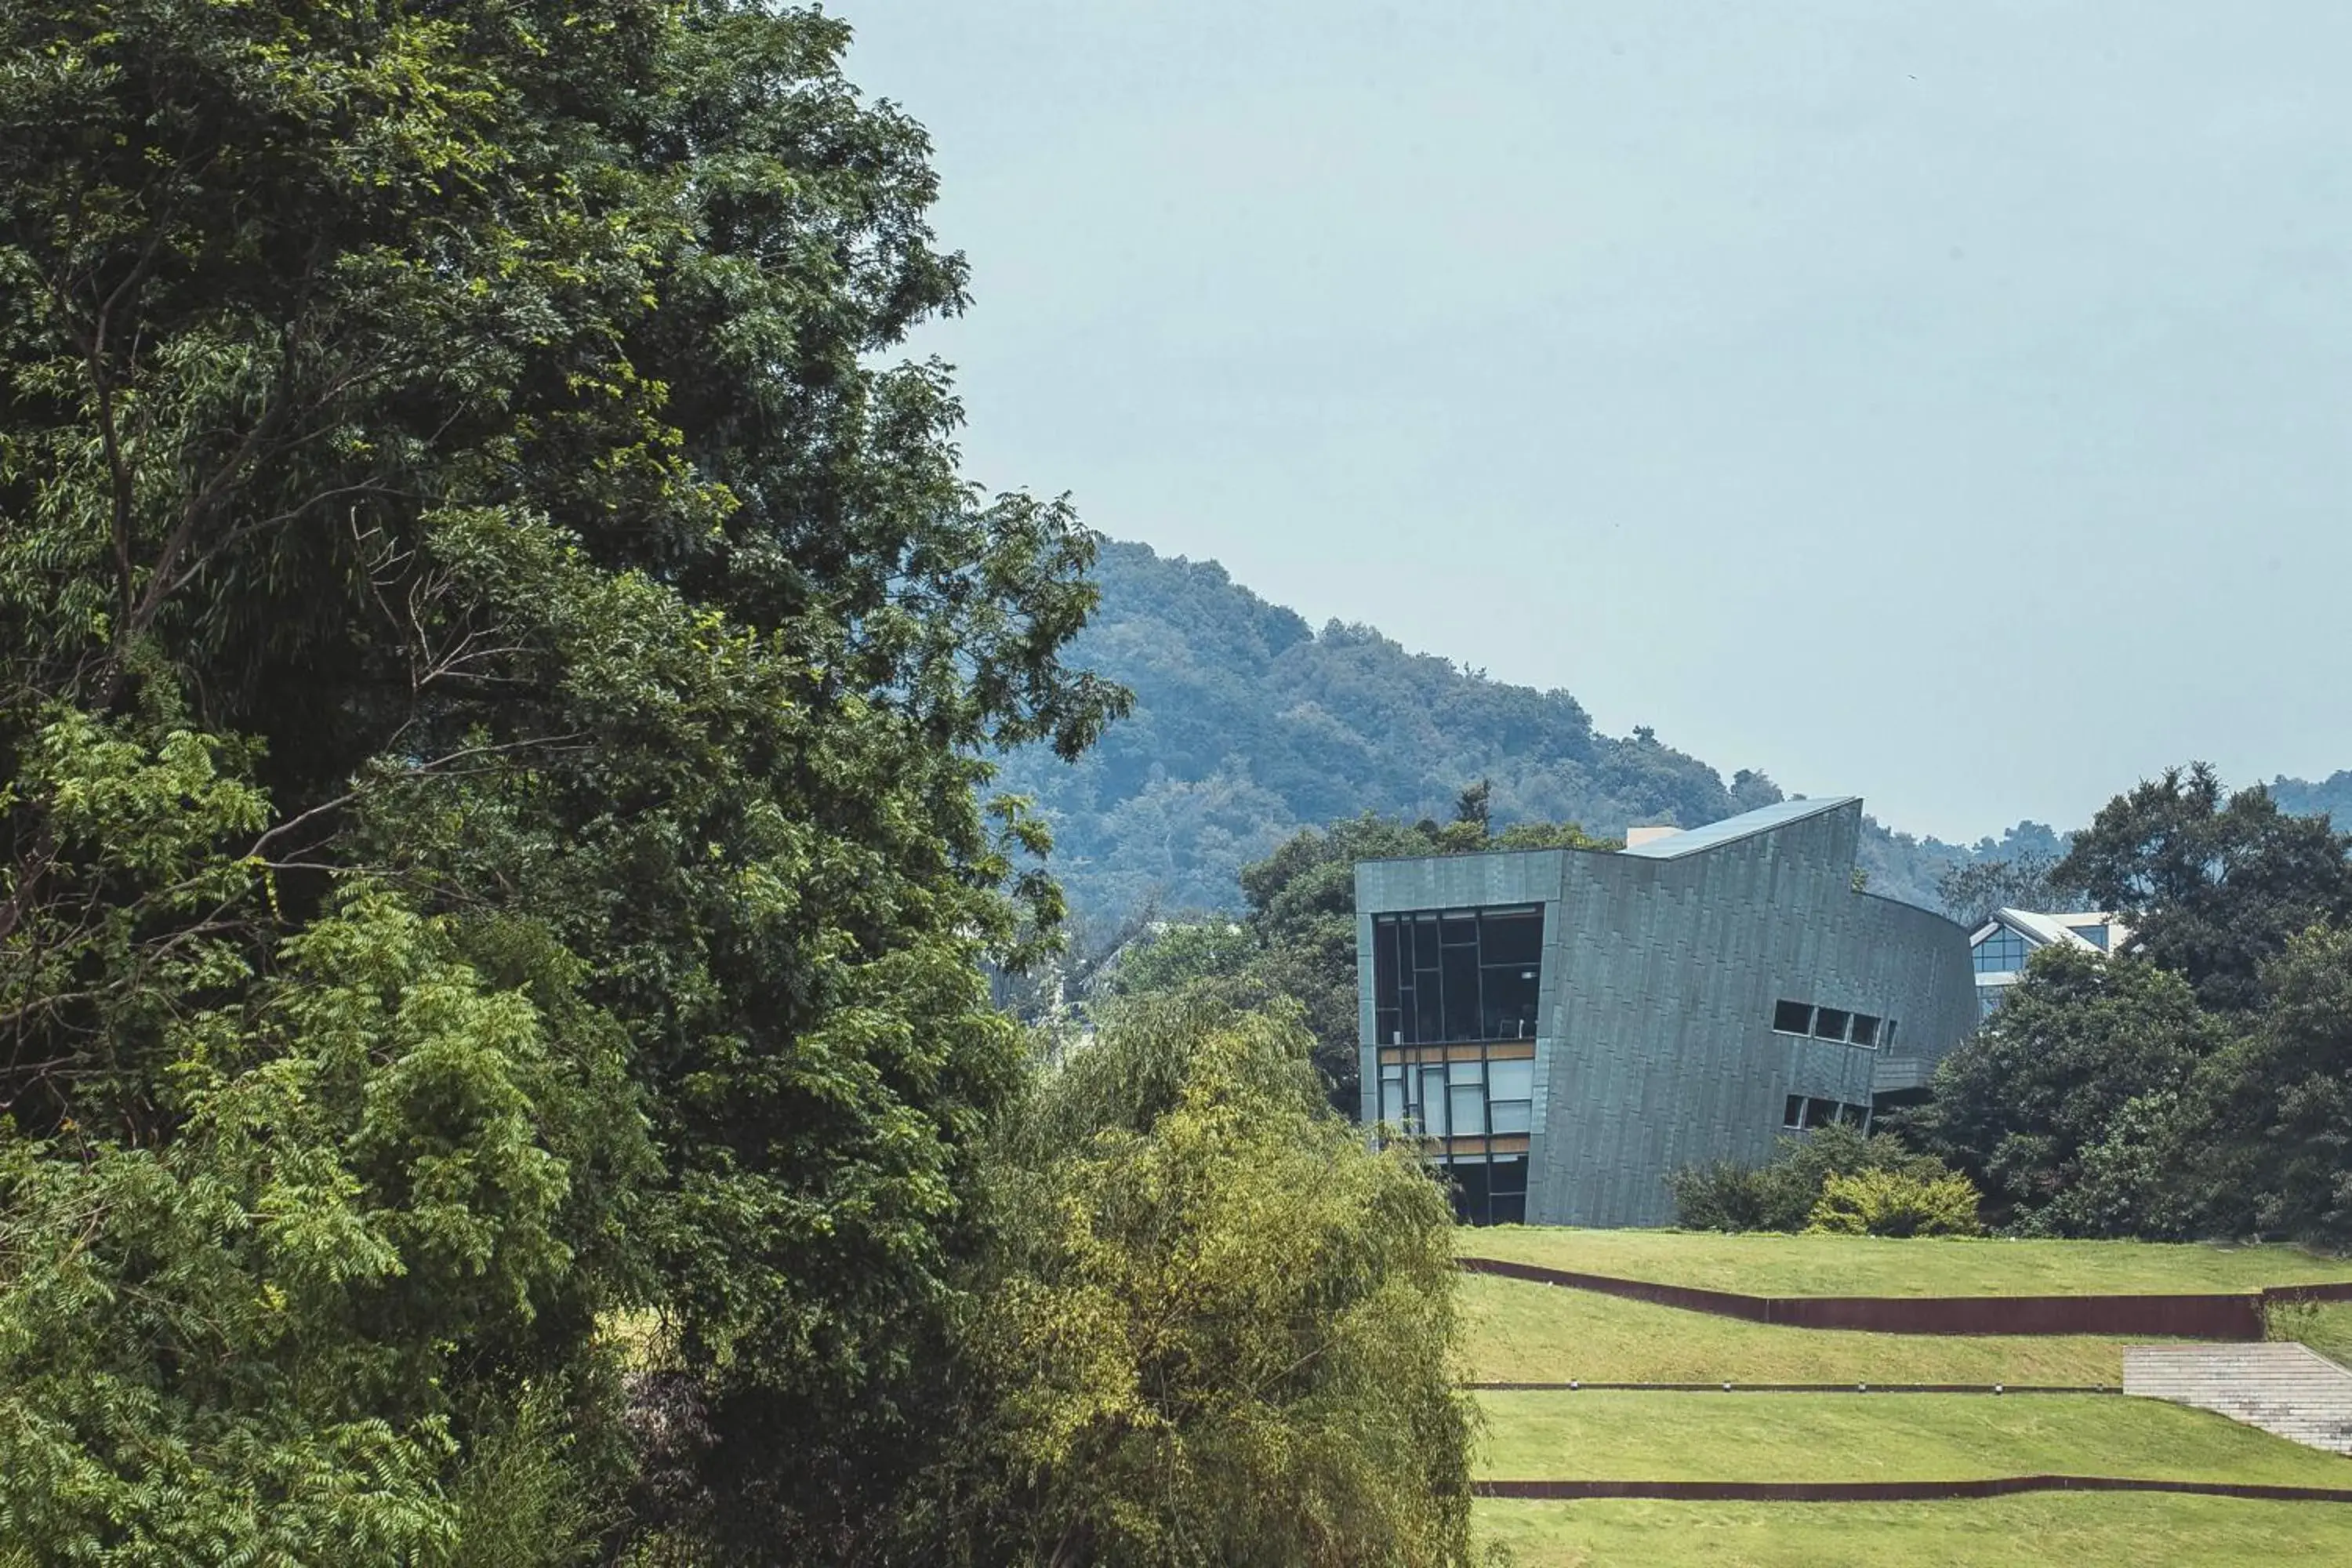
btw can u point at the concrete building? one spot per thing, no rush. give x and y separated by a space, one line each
1998 948
1565 1026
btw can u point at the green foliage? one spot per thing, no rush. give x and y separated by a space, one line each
1180 952
244 1340
1785 1194
2267 1137
1252 727
1222 1329
2213 888
494 661
1896 1203
2063 1105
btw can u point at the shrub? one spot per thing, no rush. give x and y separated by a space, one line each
1896 1203
1724 1197
1784 1194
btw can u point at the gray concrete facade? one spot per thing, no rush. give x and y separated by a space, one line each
1662 969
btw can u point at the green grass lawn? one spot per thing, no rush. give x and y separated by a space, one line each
1878 1436
1771 1264
2325 1326
2056 1529
1520 1332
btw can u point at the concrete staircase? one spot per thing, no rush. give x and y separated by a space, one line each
2287 1389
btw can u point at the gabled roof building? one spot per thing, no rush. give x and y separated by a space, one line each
1999 947
1565 1027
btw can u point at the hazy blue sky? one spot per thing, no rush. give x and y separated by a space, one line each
1941 403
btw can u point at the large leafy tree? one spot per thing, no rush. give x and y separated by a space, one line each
2271 1130
2213 884
492 662
2058 1106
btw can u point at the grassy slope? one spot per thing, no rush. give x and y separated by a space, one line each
1856 1266
1519 1332
1889 1436
2116 1532
2324 1327
1534 1333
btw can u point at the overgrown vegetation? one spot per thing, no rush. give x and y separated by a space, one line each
495 657
1835 1179
1215 1297
2195 1086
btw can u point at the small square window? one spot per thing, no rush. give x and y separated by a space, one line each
1866 1030
1793 1018
1829 1023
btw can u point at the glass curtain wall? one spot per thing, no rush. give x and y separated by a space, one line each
1454 975
1464 982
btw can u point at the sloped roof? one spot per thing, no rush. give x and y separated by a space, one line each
2044 929
1763 819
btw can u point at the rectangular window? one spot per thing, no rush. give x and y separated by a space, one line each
2002 952
1511 936
1866 1030
1792 1115
1461 974
1466 1072
1467 1110
1793 1018
1433 1102
1829 1023
1821 1112
1507 1001
1510 1116
1393 1102
1427 1023
1511 1081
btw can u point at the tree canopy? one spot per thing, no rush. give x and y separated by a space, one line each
493 658
2213 885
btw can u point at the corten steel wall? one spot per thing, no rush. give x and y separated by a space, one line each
2198 1317
1654 1046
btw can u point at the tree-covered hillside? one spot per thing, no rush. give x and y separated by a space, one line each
1250 724
2331 796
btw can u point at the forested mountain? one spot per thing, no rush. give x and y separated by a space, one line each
1250 724
2332 795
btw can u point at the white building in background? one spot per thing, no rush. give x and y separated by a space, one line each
2001 946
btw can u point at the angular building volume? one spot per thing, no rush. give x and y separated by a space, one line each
1562 1029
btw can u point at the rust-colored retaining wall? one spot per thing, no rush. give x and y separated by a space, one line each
1579 1386
1892 1491
2203 1317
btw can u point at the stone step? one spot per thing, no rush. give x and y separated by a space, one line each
2289 1390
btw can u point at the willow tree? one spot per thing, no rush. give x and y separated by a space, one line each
1221 1328
494 650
